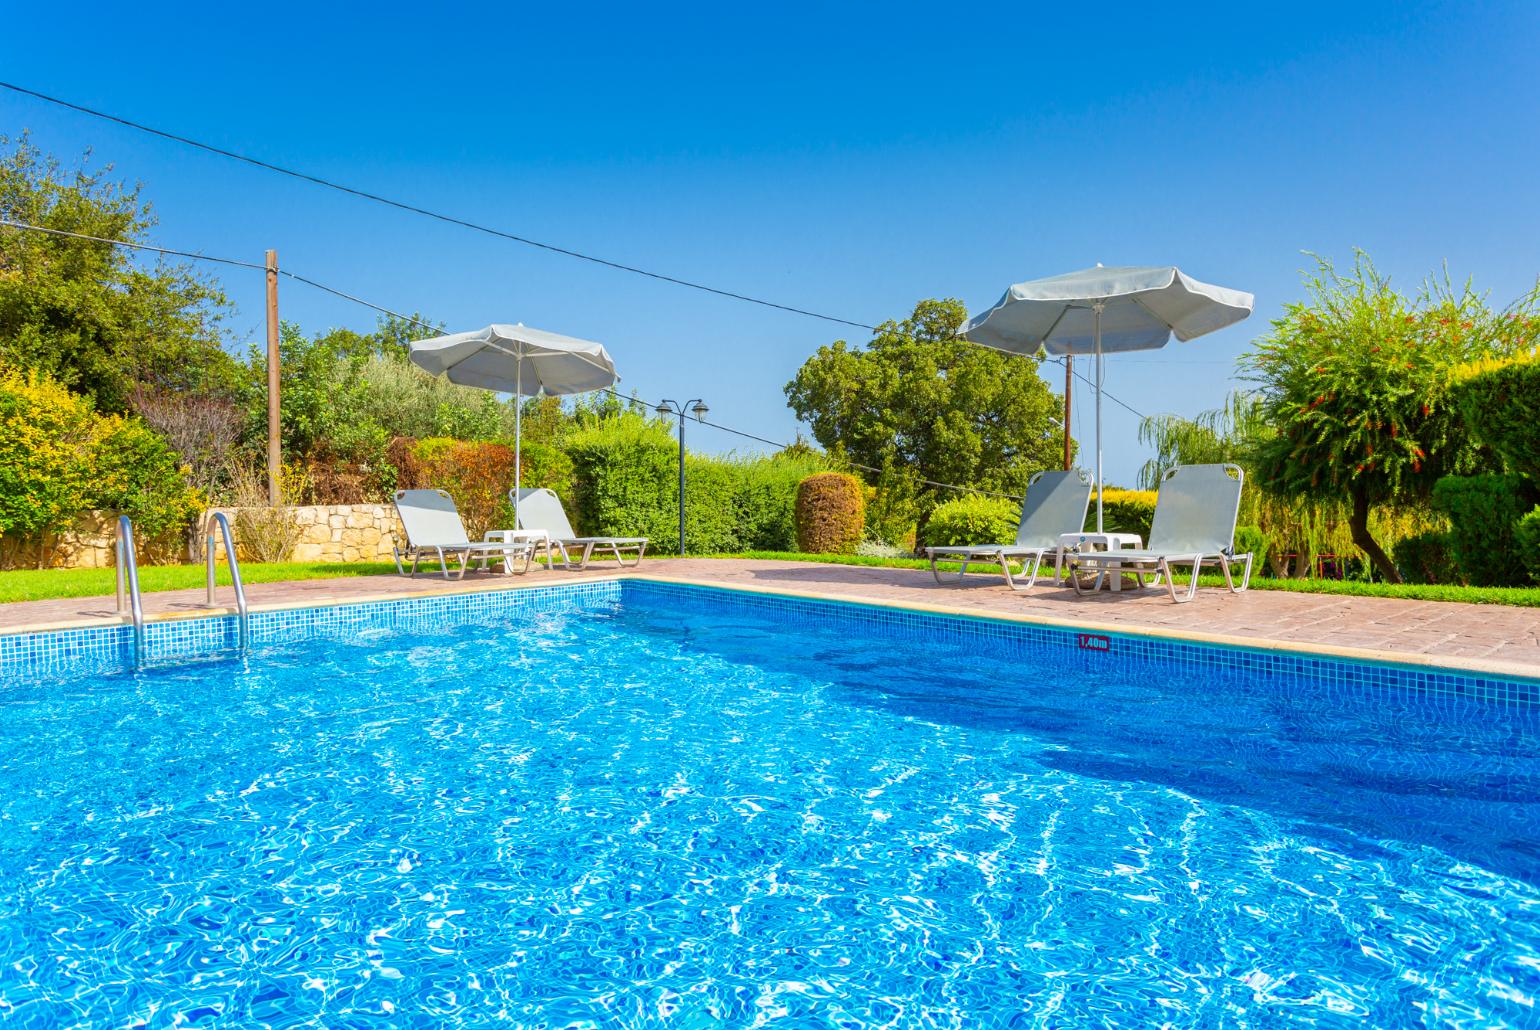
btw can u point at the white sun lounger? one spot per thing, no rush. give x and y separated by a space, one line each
541 510
433 527
1055 503
1194 525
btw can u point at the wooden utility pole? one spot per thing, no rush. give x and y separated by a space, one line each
1069 385
274 449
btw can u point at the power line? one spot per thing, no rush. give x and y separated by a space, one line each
414 209
450 219
431 327
434 328
1092 383
135 246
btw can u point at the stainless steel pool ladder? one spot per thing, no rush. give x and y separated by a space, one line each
129 602
218 521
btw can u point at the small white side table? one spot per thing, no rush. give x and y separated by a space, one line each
1072 542
536 538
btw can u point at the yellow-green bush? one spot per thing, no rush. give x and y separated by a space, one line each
831 511
1124 511
48 437
1500 402
58 457
972 519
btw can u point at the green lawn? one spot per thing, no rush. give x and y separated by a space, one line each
45 584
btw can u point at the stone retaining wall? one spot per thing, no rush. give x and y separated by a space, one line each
326 532
335 532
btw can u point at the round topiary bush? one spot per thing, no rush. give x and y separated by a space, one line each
972 519
831 510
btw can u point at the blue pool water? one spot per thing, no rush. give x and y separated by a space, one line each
668 811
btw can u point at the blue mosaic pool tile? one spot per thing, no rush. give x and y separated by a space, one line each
106 649
110 648
1127 654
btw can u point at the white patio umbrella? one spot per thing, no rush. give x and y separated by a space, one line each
518 360
1101 310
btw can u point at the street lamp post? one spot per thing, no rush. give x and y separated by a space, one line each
697 408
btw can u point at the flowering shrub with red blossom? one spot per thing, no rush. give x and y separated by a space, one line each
1356 381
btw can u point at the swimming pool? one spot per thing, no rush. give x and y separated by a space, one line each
629 803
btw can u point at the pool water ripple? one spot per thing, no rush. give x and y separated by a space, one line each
652 814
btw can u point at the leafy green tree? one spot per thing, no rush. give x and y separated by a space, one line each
920 400
1355 384
92 315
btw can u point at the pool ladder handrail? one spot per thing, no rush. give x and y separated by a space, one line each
129 601
217 520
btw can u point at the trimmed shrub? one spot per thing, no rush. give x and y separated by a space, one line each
1425 558
1527 534
831 512
1124 511
1500 401
972 519
1483 512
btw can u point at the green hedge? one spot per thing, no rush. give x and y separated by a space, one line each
765 500
1425 558
1484 512
1527 535
625 482
972 519
1500 401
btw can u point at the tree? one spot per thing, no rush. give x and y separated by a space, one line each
920 401
1355 385
92 315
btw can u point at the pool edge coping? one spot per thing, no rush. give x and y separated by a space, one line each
1480 666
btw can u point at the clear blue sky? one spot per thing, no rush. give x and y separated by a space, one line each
846 160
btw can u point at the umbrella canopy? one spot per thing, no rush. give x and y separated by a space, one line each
518 360
1100 310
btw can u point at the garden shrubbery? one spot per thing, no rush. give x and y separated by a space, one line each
1251 540
1527 535
625 482
59 458
831 513
1124 511
1425 558
1484 512
972 519
1500 401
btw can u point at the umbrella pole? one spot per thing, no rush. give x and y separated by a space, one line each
1100 486
518 434
1069 388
